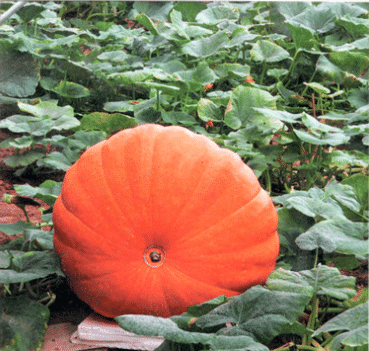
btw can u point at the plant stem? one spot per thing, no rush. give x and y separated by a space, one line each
157 99
263 72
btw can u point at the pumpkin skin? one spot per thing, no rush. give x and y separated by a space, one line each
156 219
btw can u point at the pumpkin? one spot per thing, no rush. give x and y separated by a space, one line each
156 219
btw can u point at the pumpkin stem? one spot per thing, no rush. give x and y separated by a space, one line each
155 256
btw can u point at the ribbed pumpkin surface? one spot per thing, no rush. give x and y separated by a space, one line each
156 219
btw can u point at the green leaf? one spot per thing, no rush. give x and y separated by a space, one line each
311 204
302 37
23 323
208 110
15 228
157 326
292 223
186 320
355 26
237 343
32 265
23 159
322 280
157 10
27 124
197 77
107 122
189 13
268 51
283 116
344 194
360 183
131 77
165 88
342 9
349 237
48 191
61 161
351 62
343 158
316 138
19 143
30 11
19 74
41 237
71 90
355 321
208 46
359 97
240 111
329 70
217 13
232 70
147 23
121 106
252 313
82 140
317 87
316 19
177 117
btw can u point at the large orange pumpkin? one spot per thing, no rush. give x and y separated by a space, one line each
156 219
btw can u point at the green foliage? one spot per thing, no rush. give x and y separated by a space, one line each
23 323
285 85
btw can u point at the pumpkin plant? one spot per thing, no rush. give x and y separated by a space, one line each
156 219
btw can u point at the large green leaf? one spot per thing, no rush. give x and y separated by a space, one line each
302 37
156 10
23 323
15 228
218 12
208 46
355 324
107 122
208 110
355 26
337 234
315 19
31 265
240 111
60 160
329 70
322 280
252 313
19 74
197 77
351 62
268 51
48 191
157 326
360 183
71 90
292 223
